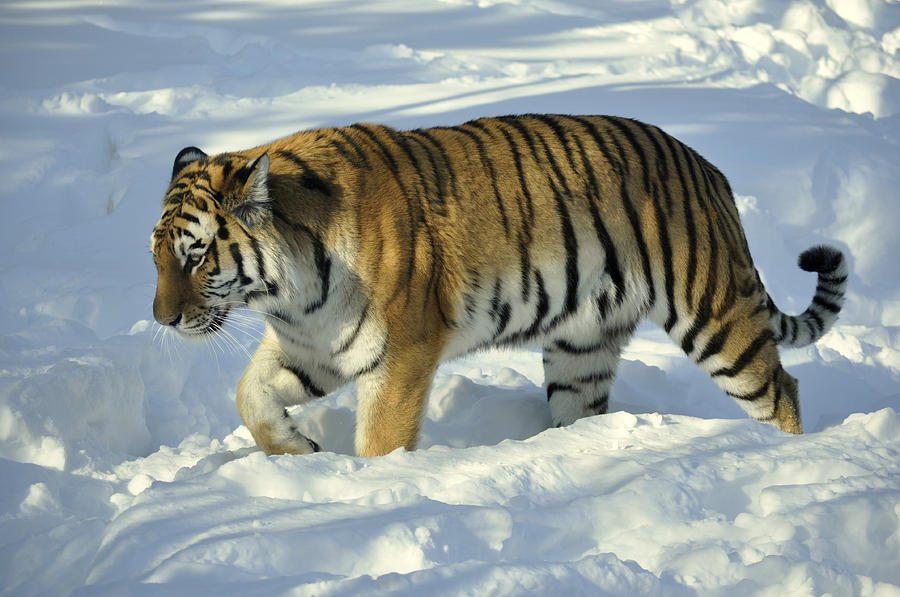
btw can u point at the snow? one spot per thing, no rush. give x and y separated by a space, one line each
125 469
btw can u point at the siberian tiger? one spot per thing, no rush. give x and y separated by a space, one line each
376 253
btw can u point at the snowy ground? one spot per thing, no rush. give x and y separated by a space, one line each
124 467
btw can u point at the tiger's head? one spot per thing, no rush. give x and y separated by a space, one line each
208 256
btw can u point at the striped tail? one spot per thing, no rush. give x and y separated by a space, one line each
800 330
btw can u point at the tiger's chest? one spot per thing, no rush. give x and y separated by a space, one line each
343 338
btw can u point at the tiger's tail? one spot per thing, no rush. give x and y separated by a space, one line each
800 330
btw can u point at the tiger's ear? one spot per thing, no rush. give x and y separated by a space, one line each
185 157
255 208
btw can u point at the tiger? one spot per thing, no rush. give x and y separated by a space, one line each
374 254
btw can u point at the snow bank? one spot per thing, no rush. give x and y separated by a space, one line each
623 504
123 460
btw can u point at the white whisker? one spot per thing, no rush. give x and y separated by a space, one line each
209 347
235 342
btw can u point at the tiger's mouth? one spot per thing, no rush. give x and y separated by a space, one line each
205 324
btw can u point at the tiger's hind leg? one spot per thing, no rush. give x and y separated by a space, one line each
579 368
737 349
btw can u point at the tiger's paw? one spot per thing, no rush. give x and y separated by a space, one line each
299 444
287 440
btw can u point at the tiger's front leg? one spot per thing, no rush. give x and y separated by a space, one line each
392 399
272 382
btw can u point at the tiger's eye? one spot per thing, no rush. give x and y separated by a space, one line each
191 261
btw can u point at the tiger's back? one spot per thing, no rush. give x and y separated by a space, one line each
399 249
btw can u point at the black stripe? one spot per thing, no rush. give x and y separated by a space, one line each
309 178
554 166
704 308
715 344
716 201
414 217
342 149
723 206
609 249
354 334
528 219
445 158
630 209
323 268
825 304
603 305
560 133
495 298
554 387
595 377
257 252
382 148
376 362
487 163
599 405
532 136
222 232
523 130
569 348
224 285
821 289
436 257
235 250
665 243
434 197
755 395
526 214
748 355
363 157
402 142
702 316
413 209
526 211
525 267
305 381
504 314
624 127
543 305
614 162
226 165
213 253
653 134
832 280
813 317
777 399
414 212
197 200
500 310
693 192
188 217
571 245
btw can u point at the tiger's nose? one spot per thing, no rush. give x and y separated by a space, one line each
165 313
171 320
